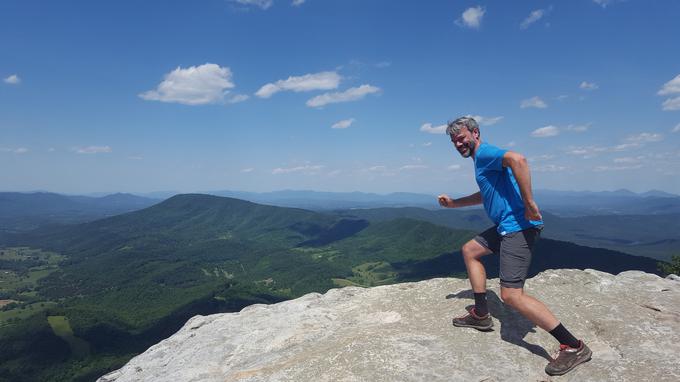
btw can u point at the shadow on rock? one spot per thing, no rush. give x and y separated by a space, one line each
514 327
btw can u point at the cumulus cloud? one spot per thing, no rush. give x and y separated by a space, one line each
92 149
306 169
671 87
247 170
345 123
549 168
12 80
588 85
535 102
297 3
262 4
195 85
351 94
532 18
629 160
616 168
676 129
409 167
19 150
472 17
645 138
671 104
307 82
546 131
428 128
485 121
604 3
236 98
579 128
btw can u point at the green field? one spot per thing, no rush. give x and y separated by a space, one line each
62 328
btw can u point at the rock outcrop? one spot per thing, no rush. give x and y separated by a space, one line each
403 332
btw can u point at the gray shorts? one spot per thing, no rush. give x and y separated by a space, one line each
515 253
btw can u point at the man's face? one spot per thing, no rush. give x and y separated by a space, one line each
464 142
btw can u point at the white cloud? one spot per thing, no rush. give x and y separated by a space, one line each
262 4
540 158
512 144
409 167
533 102
671 104
671 87
532 18
92 149
196 85
549 168
676 129
19 150
351 94
588 86
634 160
616 168
247 170
135 157
306 169
427 144
376 168
485 121
472 17
644 138
579 128
453 167
604 3
345 123
561 97
383 64
12 80
427 127
546 131
297 3
236 98
307 82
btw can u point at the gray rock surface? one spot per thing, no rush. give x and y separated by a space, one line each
403 332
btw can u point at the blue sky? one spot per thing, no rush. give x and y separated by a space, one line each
259 95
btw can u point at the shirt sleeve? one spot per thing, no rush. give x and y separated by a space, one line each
491 158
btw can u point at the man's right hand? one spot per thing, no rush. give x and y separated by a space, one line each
445 201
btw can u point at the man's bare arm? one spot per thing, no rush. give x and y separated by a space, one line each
520 169
470 200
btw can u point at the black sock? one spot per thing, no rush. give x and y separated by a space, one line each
564 337
480 304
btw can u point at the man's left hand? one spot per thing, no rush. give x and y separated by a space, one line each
531 211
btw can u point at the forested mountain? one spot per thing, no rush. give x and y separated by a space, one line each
82 299
655 236
21 212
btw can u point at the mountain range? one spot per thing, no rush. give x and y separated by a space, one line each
86 297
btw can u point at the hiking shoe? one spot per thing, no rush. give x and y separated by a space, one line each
472 320
568 358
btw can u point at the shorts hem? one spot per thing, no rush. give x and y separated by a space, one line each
514 285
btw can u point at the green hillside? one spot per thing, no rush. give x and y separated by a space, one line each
85 298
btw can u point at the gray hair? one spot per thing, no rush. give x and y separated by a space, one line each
454 127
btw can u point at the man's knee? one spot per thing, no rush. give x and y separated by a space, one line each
472 250
511 296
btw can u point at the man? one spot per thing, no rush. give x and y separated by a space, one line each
505 190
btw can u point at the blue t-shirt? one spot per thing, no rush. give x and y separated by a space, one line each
500 192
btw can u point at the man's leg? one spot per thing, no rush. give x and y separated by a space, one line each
477 317
472 252
515 257
529 307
